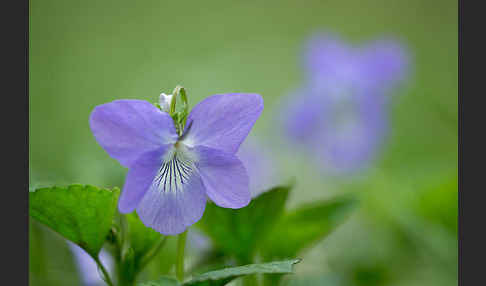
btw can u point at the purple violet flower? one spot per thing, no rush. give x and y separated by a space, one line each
171 174
340 114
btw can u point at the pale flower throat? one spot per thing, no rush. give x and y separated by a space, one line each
176 169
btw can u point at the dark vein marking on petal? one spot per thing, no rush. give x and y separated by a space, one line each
174 173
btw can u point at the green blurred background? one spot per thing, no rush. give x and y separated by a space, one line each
85 53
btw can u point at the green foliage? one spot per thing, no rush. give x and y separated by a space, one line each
164 260
264 225
315 280
162 281
211 259
50 258
142 240
80 213
238 231
138 245
226 275
308 224
439 205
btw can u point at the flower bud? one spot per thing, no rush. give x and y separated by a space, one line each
165 101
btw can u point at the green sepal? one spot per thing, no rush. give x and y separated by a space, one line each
179 114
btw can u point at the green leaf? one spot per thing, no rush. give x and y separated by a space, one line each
300 228
224 276
162 281
82 214
237 231
438 205
209 260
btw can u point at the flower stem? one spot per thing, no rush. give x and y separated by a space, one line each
106 276
152 253
181 245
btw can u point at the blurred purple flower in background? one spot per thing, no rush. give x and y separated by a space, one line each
340 115
259 166
87 268
198 241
